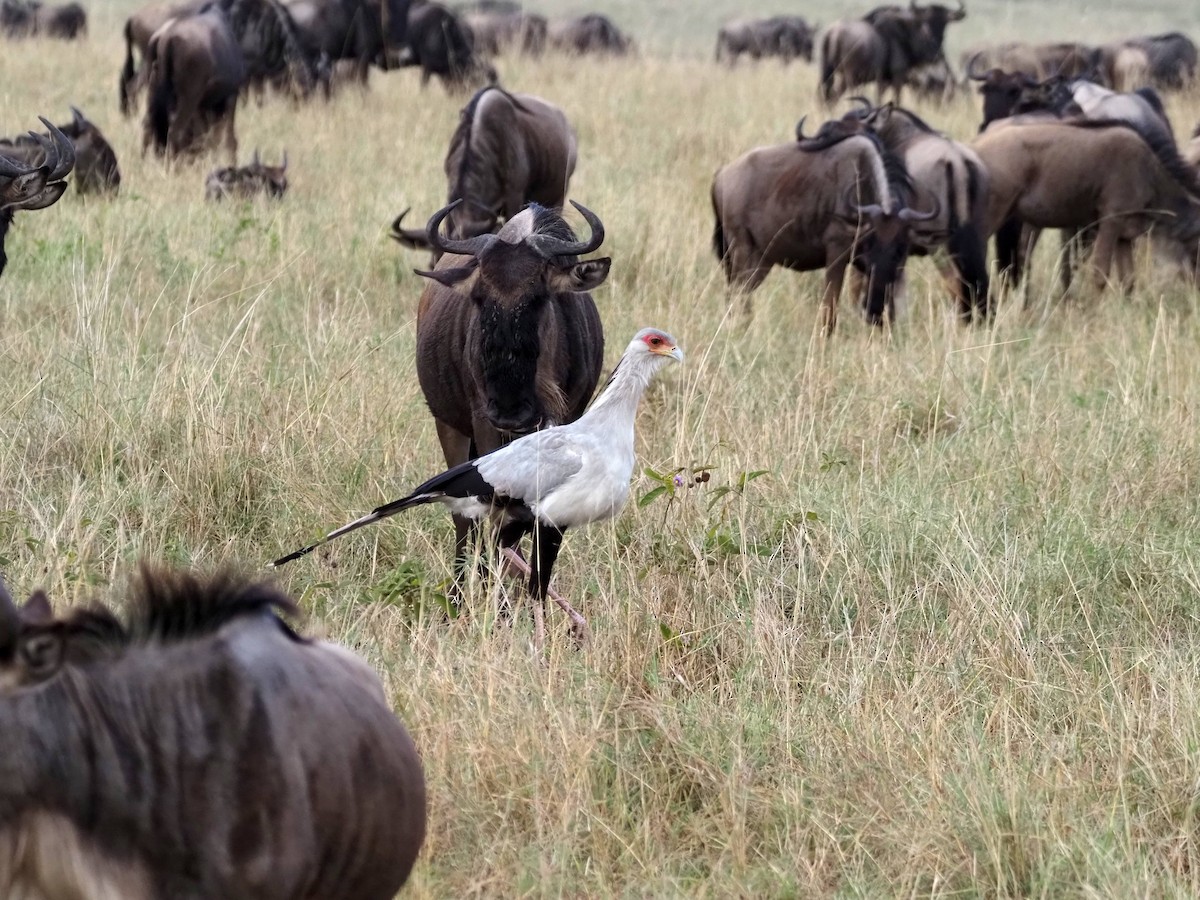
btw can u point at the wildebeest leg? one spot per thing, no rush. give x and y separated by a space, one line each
835 273
231 132
456 448
968 251
1125 264
1107 238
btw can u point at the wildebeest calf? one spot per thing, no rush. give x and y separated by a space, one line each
249 181
200 750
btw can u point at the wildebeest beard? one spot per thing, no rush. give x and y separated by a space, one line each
510 346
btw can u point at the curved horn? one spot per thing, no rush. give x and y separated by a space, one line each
63 159
13 168
971 73
547 246
912 215
870 210
800 135
468 247
417 238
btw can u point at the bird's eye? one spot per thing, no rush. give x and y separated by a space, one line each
655 341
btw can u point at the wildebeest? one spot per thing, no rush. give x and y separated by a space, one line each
1122 65
1172 58
526 352
1039 61
498 31
1080 173
271 46
829 201
96 170
946 176
785 37
591 33
138 30
882 47
508 150
438 42
196 70
33 185
364 32
32 18
246 182
200 749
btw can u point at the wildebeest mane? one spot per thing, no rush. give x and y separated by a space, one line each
462 144
170 606
916 120
893 166
1160 144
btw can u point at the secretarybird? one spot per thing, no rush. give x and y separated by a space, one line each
548 481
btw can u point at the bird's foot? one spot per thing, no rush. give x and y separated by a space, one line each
580 633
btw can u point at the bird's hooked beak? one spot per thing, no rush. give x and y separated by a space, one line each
669 350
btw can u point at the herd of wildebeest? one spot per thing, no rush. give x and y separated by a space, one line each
200 748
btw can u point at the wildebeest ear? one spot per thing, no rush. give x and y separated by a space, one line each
41 653
582 276
36 610
24 187
461 278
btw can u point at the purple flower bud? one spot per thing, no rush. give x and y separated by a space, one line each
678 481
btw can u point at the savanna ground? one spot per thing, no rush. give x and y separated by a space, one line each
930 628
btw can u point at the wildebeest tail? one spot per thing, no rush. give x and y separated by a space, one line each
828 65
719 246
953 218
128 74
162 97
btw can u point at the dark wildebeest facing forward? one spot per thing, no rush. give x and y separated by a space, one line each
509 150
196 70
799 205
201 750
509 339
246 182
33 185
592 33
946 176
785 37
883 47
96 170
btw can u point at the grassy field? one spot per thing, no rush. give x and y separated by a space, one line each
930 629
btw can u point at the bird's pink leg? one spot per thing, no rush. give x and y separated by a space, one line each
579 626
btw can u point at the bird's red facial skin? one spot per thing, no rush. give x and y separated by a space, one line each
657 342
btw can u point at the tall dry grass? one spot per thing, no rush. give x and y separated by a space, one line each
946 645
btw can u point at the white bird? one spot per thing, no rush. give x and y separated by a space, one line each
551 480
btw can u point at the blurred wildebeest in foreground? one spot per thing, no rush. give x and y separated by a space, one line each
246 182
498 31
32 18
946 176
839 198
785 37
591 33
508 150
196 70
438 42
96 170
526 351
33 185
200 749
1077 173
883 47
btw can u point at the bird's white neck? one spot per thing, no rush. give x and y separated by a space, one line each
618 402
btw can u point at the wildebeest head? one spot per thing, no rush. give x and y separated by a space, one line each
247 181
1002 91
512 277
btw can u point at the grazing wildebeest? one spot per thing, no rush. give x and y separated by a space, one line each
438 42
196 70
33 185
96 170
31 18
798 205
271 47
946 176
246 182
785 37
883 47
526 351
591 33
1079 173
139 28
508 150
498 31
201 749
1172 59
364 32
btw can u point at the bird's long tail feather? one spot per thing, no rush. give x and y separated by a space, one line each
380 512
